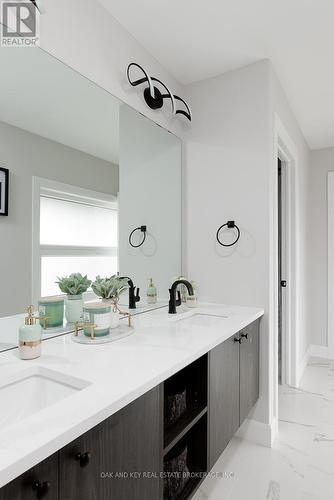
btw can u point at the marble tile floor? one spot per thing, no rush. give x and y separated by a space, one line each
300 466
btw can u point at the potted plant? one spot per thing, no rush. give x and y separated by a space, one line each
109 290
74 286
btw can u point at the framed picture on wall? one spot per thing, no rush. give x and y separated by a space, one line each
4 190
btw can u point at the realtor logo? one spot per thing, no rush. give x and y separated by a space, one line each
19 22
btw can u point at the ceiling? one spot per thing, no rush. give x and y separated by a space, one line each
195 40
40 94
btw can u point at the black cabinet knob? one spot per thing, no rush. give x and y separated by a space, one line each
244 336
83 458
238 340
41 489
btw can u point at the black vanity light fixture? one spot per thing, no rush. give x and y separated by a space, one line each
4 190
230 225
154 97
143 229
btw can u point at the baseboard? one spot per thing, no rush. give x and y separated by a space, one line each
258 432
319 351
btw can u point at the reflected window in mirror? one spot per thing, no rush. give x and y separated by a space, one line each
78 232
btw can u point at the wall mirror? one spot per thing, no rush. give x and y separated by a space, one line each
85 171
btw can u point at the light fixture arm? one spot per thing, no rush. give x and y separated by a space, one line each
141 80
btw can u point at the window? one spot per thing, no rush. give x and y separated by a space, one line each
76 231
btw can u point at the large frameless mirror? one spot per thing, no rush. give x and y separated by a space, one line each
85 173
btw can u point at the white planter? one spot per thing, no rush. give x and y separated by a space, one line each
74 308
114 315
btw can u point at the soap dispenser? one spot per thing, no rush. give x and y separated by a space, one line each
30 336
151 293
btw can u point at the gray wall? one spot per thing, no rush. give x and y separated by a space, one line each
27 155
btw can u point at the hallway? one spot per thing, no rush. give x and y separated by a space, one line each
300 466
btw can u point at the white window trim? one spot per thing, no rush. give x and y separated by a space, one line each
66 192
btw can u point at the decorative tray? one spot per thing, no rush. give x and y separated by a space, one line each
118 333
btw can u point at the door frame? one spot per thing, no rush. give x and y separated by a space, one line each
285 150
330 272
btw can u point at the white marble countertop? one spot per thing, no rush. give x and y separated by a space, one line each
118 373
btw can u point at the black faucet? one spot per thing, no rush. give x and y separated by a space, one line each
133 295
173 301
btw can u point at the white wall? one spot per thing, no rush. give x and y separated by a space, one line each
150 194
228 158
230 174
322 163
85 36
27 155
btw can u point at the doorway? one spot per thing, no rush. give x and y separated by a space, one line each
279 240
285 338
281 284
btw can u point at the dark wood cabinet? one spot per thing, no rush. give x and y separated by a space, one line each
249 369
223 397
118 458
82 462
137 448
39 482
233 386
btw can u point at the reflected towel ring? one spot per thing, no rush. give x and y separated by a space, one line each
143 229
230 225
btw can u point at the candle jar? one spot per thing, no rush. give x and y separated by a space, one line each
53 309
99 314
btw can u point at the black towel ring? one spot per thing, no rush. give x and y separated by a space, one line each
143 229
230 225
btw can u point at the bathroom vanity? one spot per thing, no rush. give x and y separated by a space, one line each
111 438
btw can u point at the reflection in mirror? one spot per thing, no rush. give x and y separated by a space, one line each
150 195
85 170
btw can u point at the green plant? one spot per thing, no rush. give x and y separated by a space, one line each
74 284
109 288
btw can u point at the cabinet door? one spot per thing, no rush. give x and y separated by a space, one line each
95 466
249 369
39 482
223 396
137 446
82 462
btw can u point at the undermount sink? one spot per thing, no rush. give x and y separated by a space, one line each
32 390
